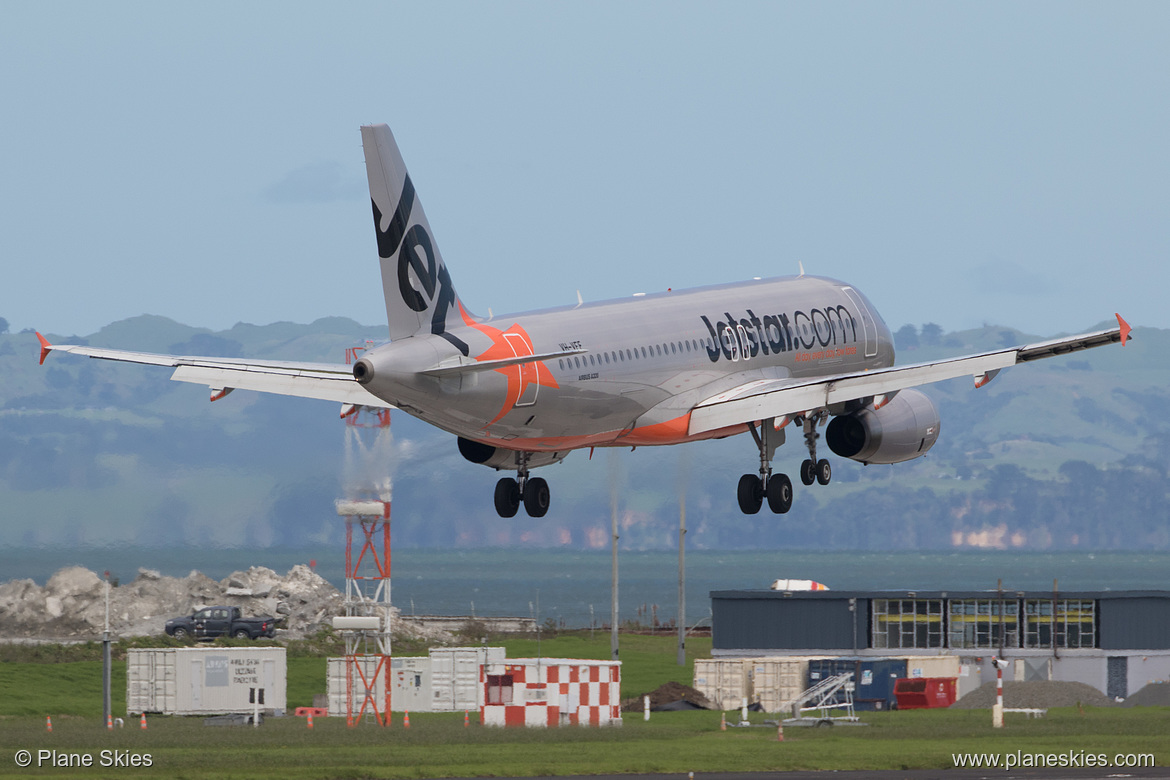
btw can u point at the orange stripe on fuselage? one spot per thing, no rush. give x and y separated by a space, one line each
663 433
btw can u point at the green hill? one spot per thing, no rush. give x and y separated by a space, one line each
1069 453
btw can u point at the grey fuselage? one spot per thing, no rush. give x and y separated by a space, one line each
630 369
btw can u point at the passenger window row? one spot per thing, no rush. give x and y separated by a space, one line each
631 354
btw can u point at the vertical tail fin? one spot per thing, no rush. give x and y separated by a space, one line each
418 290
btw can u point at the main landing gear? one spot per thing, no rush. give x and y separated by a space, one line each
533 491
777 488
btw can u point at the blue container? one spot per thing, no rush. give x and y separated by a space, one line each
873 678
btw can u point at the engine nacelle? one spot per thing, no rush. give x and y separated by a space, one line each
903 429
502 459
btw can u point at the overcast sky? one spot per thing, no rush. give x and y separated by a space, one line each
961 163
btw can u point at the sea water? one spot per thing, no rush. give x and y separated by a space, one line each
572 588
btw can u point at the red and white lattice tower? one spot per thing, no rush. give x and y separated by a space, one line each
366 511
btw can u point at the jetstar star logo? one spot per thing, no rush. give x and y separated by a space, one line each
524 380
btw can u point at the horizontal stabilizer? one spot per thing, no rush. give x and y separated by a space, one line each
492 365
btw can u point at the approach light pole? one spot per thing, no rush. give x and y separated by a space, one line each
613 511
682 579
107 712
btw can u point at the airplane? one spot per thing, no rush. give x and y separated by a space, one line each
522 391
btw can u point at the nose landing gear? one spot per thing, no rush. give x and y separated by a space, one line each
811 469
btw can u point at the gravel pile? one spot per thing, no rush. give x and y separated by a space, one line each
1042 694
71 605
1155 694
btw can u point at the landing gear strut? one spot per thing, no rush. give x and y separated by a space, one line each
777 488
811 469
533 491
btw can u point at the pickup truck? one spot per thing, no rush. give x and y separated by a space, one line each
211 622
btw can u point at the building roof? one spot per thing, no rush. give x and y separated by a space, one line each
831 595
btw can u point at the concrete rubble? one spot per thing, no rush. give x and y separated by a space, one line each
71 605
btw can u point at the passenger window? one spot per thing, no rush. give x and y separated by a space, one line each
578 361
607 358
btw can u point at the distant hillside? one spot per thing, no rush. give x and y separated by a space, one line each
1069 453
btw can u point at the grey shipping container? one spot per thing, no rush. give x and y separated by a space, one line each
205 680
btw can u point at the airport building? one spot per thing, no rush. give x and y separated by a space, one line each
1115 641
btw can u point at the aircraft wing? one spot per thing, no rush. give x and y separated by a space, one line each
326 381
762 399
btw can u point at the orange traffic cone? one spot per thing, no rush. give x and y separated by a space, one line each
49 723
109 723
466 719
723 721
142 722
406 720
310 719
779 731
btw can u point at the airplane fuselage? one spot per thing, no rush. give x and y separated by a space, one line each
641 362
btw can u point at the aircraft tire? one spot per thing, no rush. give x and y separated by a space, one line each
808 471
779 493
507 497
750 494
824 471
536 497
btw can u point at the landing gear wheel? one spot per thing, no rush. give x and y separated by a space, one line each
808 471
507 497
779 493
824 471
750 494
536 497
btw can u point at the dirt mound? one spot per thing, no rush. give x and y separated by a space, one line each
1156 694
72 604
1041 694
669 693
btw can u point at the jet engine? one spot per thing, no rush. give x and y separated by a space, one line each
903 429
501 459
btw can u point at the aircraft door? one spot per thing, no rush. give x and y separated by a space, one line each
868 327
528 384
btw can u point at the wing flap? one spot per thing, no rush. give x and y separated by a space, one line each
776 398
302 384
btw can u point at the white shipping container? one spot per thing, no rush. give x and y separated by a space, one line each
932 666
410 684
777 681
205 680
722 680
337 682
455 684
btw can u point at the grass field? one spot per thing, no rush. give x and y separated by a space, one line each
438 745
